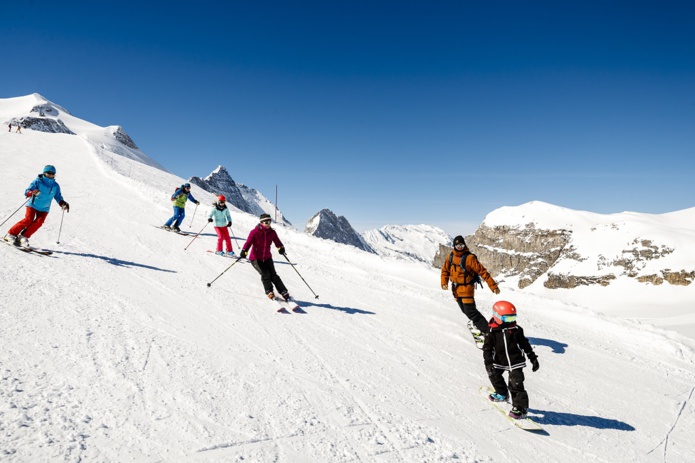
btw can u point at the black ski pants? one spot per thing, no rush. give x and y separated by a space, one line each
268 276
516 386
471 311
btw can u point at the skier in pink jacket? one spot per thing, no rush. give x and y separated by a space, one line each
259 241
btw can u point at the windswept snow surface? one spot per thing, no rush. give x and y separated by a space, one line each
115 350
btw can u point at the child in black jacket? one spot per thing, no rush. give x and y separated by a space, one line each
504 350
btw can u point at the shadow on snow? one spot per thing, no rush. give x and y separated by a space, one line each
114 261
347 310
557 347
571 419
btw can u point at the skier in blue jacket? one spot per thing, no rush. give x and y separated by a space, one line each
179 198
41 191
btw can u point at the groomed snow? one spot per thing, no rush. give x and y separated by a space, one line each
116 350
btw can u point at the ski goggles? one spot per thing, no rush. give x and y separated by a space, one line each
507 318
459 246
267 222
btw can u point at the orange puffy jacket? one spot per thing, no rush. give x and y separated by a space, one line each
463 284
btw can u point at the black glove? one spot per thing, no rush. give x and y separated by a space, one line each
244 253
210 219
65 206
534 362
281 250
197 202
490 368
229 224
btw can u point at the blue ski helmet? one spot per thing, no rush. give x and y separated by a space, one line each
49 169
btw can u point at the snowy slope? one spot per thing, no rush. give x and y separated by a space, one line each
115 350
112 138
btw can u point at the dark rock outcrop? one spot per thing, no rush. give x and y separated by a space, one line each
325 224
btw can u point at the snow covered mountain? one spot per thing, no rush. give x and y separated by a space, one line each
549 250
37 113
114 349
325 224
244 198
417 243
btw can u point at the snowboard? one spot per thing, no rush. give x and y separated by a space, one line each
478 337
527 424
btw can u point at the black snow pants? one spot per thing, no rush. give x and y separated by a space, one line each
471 311
516 386
268 276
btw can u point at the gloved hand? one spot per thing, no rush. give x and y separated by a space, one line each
229 224
197 202
445 287
281 250
490 368
534 362
496 290
65 206
243 253
209 219
33 193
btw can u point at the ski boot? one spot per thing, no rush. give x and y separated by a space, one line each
517 413
495 397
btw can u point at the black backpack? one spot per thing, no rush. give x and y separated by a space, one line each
475 278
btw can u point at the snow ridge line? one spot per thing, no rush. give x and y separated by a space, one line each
673 426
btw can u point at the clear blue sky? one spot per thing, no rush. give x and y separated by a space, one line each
386 112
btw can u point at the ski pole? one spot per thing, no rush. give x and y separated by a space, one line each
300 276
193 216
196 236
61 226
235 240
237 260
23 204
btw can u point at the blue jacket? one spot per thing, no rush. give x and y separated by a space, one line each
221 217
49 189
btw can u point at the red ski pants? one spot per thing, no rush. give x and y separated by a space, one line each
31 222
223 236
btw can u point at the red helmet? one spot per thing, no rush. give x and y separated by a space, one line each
221 198
504 312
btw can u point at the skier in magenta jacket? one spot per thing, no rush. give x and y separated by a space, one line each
259 241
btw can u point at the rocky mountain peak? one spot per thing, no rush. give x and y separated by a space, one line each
325 224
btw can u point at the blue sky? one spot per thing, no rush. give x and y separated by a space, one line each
390 112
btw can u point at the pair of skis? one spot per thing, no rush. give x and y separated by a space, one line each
287 307
182 233
43 252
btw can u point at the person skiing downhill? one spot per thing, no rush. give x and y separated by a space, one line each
260 238
41 191
463 276
223 222
179 198
504 350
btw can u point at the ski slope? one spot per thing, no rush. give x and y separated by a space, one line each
115 350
